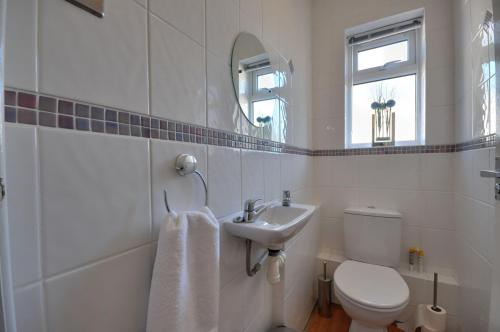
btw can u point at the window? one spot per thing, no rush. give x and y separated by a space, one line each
385 65
263 99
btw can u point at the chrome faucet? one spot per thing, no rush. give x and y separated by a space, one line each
287 199
250 212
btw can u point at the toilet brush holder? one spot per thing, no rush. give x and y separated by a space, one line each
324 294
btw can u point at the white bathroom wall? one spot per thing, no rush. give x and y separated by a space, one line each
85 208
88 206
330 20
474 210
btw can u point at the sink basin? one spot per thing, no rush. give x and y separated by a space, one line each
274 226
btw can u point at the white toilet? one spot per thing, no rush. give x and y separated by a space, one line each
370 290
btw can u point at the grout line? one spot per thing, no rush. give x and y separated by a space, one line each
39 219
96 262
148 58
175 28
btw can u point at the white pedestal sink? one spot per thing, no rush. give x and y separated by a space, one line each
274 226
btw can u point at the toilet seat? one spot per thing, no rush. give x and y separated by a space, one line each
373 287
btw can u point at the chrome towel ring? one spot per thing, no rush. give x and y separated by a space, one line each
186 164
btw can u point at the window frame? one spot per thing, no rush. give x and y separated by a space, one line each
413 66
260 95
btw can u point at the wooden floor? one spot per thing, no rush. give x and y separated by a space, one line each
339 322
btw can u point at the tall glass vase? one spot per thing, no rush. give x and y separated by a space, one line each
383 133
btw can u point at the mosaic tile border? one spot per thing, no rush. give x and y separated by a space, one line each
478 143
36 109
49 111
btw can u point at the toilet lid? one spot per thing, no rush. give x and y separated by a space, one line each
371 285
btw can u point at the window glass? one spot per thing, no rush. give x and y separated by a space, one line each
266 81
264 109
402 90
379 56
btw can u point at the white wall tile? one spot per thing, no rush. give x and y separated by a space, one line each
332 235
24 224
186 16
411 237
95 197
177 75
437 171
338 171
336 199
392 171
223 111
184 192
252 175
440 125
20 44
439 248
475 280
222 27
271 22
322 172
437 210
29 309
482 188
328 133
439 47
224 180
263 320
232 251
257 292
439 88
479 228
408 202
110 295
105 65
296 171
251 17
272 180
231 313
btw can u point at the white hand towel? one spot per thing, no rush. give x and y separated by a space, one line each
184 295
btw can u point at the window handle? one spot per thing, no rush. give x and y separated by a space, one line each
388 64
490 174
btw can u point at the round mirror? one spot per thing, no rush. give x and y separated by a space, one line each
255 82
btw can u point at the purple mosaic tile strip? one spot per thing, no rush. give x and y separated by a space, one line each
31 108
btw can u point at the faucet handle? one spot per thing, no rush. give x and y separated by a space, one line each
287 199
250 204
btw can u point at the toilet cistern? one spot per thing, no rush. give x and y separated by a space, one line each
370 290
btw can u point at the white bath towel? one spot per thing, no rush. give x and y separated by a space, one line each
184 295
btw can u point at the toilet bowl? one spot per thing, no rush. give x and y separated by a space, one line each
367 286
373 296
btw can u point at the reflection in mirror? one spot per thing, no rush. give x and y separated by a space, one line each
255 81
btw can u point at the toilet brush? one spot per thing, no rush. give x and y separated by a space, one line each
324 294
434 296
